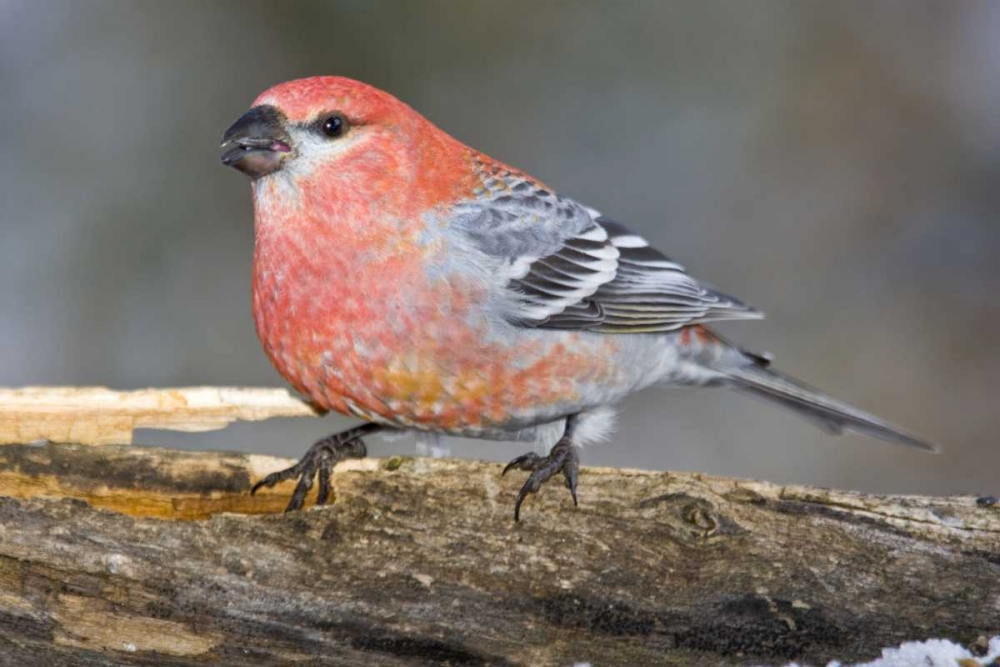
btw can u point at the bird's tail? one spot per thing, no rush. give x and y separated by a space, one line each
829 414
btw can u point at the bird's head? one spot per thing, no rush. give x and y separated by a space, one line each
308 124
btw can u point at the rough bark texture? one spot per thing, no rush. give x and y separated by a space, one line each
418 562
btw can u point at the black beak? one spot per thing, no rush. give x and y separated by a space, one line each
256 143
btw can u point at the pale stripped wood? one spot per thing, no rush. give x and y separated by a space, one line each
102 416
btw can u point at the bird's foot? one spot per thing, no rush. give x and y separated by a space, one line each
562 457
320 460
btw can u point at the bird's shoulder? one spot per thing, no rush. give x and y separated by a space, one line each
511 214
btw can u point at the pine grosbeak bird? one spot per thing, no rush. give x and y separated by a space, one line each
411 281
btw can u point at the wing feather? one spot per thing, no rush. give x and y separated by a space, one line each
572 268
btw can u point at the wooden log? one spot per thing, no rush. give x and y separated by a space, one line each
418 562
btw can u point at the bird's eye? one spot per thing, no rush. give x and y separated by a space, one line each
334 126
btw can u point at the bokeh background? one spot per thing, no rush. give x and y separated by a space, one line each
836 164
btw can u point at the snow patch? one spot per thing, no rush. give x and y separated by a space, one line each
930 653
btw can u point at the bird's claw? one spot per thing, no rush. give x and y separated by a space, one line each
319 460
529 461
562 458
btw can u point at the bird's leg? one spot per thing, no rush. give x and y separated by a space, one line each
320 460
562 457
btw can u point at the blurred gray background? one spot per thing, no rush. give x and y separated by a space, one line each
836 164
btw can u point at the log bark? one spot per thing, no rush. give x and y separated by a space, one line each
141 556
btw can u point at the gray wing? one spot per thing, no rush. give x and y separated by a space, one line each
571 268
650 292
